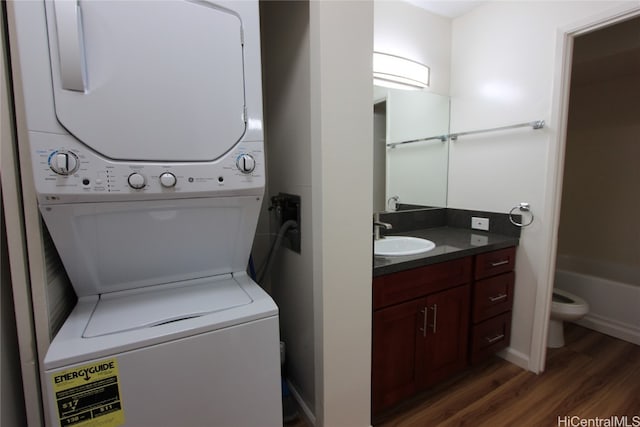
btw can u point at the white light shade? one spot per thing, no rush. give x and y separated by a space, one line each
398 72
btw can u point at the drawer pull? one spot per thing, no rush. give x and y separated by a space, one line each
435 317
494 338
499 263
497 297
424 322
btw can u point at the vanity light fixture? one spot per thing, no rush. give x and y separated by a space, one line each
398 72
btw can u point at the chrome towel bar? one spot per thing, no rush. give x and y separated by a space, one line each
537 124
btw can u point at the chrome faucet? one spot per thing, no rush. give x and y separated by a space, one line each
377 224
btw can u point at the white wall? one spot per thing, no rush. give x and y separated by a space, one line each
318 118
341 131
503 62
12 411
285 41
406 30
12 406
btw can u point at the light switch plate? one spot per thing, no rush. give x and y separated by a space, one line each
478 223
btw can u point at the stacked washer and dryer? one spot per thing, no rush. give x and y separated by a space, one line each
145 130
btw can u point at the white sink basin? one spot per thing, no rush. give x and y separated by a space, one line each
402 245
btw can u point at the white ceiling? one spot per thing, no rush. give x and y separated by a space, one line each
448 8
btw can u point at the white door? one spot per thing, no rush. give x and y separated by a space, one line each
148 80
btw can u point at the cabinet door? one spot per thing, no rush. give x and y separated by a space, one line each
445 344
395 332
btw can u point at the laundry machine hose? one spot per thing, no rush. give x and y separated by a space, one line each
266 266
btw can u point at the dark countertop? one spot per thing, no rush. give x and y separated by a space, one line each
451 243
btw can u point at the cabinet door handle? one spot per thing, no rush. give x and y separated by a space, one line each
424 322
435 317
497 297
499 263
494 338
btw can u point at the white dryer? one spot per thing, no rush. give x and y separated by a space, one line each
145 128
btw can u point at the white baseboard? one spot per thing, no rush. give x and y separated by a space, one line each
309 417
613 306
306 411
623 331
515 357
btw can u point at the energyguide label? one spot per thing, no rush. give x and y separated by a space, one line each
89 395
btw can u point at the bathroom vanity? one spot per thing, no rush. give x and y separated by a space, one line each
492 300
436 313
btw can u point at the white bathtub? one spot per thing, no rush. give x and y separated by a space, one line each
614 306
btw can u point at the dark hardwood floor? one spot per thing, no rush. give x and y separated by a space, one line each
593 376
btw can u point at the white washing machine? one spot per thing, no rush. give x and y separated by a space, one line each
145 128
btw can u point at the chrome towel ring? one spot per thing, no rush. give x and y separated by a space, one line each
523 207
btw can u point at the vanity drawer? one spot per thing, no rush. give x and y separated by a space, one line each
496 262
490 336
492 296
405 285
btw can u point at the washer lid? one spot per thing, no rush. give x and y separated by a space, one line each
148 80
158 305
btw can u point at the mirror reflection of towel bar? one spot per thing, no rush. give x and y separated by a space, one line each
441 138
538 124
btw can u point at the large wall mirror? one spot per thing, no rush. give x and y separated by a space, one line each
411 151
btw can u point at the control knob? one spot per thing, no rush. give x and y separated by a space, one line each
168 180
64 162
246 163
136 180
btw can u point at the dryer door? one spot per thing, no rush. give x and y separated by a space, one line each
148 80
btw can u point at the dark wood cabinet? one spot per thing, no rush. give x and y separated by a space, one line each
431 322
492 302
492 296
419 342
445 337
495 262
396 348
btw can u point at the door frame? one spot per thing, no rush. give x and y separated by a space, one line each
555 160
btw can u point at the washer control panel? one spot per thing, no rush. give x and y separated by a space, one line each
69 172
63 162
137 181
246 163
168 180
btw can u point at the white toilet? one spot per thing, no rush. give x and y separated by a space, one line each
564 306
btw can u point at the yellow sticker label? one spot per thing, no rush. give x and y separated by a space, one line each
89 395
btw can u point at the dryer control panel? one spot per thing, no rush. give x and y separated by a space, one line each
68 172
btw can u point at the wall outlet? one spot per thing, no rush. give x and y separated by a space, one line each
479 240
480 223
